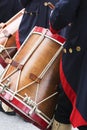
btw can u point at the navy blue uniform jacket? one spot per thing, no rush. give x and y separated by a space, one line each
8 8
73 65
37 14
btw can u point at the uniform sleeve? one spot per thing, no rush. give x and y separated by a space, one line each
24 2
16 6
63 14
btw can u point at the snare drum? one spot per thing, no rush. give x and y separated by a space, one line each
29 84
7 37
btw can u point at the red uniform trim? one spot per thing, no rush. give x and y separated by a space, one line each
52 30
75 117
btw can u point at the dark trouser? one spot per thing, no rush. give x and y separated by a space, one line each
64 108
82 128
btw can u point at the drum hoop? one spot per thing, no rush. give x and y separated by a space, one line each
49 34
50 38
21 103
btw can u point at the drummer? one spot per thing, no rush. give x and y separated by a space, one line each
7 10
36 14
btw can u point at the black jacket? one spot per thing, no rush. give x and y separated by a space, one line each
37 15
8 9
73 66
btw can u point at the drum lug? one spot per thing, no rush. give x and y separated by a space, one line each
5 86
2 91
11 98
29 101
32 110
50 123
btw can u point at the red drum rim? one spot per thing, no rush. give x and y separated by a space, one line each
49 34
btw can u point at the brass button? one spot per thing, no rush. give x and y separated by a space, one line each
45 3
64 50
70 50
78 48
30 13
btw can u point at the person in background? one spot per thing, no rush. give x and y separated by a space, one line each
7 10
72 106
37 13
